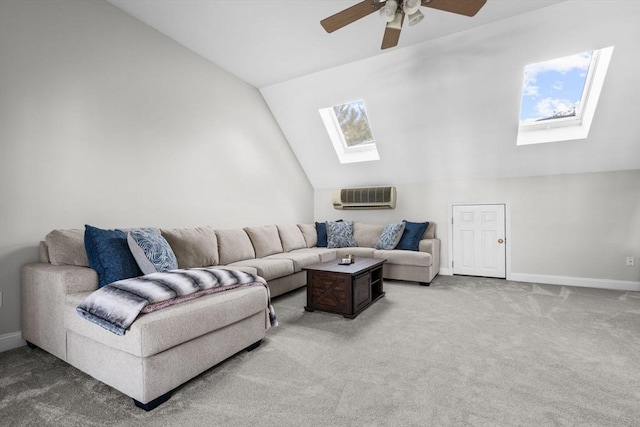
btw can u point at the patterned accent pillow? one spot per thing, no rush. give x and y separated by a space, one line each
109 255
340 234
390 236
151 251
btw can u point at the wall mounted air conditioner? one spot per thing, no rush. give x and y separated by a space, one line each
364 198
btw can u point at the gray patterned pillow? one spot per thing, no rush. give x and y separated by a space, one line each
340 234
390 236
151 251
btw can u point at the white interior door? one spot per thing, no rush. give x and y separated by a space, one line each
479 241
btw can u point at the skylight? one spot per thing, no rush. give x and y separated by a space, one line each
350 133
559 97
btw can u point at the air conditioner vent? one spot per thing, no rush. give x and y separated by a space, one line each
365 198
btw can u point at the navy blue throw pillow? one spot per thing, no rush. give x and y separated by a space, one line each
321 230
413 232
109 255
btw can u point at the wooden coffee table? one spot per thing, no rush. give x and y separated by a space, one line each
344 289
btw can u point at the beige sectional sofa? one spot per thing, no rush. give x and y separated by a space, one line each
165 348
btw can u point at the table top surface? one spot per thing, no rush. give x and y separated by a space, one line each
360 264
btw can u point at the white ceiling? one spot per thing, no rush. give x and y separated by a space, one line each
265 42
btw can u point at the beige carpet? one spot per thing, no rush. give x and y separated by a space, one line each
463 352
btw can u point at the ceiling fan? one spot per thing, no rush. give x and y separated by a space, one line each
394 11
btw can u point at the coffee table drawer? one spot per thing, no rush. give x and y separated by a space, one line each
361 292
330 292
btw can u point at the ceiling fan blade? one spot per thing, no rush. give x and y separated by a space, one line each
461 7
351 14
392 33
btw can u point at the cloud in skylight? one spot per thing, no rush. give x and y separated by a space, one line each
554 88
547 107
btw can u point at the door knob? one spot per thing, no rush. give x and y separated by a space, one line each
501 241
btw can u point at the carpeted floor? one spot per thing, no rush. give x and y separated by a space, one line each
463 352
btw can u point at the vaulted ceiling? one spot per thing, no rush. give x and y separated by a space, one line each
269 41
443 104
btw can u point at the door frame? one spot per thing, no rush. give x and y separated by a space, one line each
507 232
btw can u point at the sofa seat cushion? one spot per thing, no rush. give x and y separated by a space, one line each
300 259
160 330
245 268
357 252
325 254
402 257
268 268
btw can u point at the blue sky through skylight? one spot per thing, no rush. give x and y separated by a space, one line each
553 89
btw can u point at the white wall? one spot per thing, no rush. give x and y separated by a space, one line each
445 116
105 121
561 227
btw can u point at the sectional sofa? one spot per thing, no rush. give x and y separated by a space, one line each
165 348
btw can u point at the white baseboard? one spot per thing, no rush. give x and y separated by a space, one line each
586 282
11 341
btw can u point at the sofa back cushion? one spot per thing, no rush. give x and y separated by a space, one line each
234 245
193 247
43 252
66 247
291 237
310 234
367 235
266 240
430 233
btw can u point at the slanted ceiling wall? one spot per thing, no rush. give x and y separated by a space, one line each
445 115
448 109
105 121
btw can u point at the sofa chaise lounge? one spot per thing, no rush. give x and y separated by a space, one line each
163 349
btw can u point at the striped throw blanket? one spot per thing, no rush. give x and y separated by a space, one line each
117 305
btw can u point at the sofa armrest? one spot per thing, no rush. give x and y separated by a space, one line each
431 246
44 291
66 279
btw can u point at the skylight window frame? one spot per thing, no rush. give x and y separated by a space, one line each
362 152
577 126
576 119
363 146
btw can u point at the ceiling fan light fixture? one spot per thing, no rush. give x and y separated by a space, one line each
411 6
388 11
396 23
394 11
415 17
